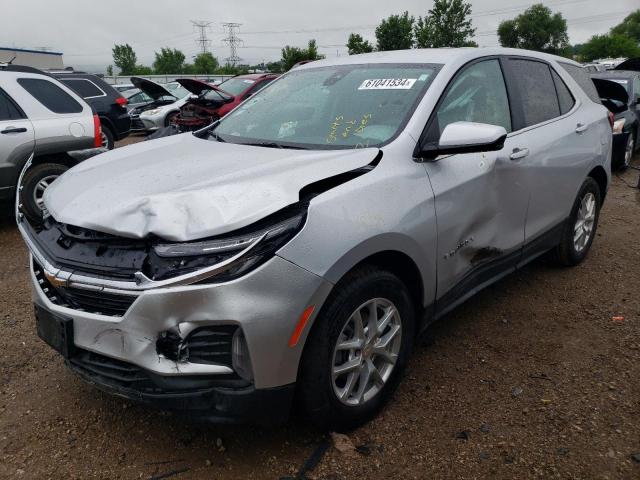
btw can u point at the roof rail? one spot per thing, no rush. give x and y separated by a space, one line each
5 67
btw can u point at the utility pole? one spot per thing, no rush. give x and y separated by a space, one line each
233 42
203 41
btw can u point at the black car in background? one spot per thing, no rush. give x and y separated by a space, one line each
107 102
627 120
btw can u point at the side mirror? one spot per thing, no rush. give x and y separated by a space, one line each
466 137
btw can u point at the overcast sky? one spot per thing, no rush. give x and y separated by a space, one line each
85 31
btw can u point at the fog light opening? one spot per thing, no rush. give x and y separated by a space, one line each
240 356
171 346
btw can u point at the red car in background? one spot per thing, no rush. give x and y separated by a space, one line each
211 102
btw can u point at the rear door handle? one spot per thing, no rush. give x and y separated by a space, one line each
519 153
13 130
581 127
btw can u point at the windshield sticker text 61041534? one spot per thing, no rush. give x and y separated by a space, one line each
388 84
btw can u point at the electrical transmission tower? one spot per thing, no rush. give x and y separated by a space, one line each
203 42
233 42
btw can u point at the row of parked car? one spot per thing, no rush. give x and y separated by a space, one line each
50 114
619 91
187 104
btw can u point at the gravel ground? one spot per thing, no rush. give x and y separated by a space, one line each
533 378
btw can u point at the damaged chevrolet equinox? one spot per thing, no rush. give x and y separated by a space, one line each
297 247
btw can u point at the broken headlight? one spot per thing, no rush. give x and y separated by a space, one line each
167 260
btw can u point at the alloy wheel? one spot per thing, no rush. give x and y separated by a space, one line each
585 221
366 351
41 186
628 151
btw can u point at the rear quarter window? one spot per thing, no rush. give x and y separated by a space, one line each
8 110
50 95
564 94
83 87
583 79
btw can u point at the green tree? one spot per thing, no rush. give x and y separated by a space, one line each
143 70
395 32
168 61
205 63
124 58
448 24
293 55
110 70
606 46
356 44
629 27
275 67
535 29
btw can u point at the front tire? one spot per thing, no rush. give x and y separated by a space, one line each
580 229
36 180
357 350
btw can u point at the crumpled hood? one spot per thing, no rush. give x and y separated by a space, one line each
183 188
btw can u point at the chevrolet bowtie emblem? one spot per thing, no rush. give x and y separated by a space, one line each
56 281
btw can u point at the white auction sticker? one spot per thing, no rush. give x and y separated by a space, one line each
387 84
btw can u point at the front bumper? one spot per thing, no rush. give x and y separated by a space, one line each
152 122
202 398
266 304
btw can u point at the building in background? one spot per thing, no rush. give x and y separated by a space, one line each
32 58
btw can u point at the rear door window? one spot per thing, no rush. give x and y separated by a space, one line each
50 95
583 79
83 87
8 109
538 97
565 98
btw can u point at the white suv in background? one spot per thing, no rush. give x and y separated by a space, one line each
42 119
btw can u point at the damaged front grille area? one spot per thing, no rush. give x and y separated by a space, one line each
90 301
205 345
130 379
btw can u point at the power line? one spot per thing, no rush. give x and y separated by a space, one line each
202 41
233 41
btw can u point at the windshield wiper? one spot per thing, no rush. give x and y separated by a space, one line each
268 144
217 137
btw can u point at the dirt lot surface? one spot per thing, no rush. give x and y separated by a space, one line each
533 378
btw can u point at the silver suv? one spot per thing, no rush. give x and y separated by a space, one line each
43 119
302 243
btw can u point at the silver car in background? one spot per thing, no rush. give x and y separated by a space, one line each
41 120
301 244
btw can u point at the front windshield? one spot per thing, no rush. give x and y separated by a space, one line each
235 86
347 106
177 90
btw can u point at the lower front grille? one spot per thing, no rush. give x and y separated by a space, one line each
97 302
133 381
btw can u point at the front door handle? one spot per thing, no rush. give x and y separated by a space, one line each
581 127
519 153
13 130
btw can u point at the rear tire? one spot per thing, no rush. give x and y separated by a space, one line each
580 229
107 140
324 393
36 180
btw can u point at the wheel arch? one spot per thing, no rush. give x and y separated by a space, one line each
600 176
